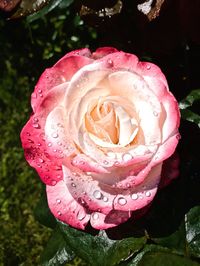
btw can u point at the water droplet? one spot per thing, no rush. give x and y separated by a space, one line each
58 201
105 199
59 213
28 134
60 143
148 194
95 215
49 144
134 196
59 125
122 201
73 185
53 182
40 160
116 163
105 162
148 67
80 216
178 136
30 141
54 135
155 113
59 176
127 157
97 194
40 91
36 125
35 119
110 62
34 95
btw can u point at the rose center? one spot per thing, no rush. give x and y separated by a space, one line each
110 124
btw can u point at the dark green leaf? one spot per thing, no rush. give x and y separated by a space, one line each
91 248
28 7
165 259
124 249
42 212
190 99
57 252
190 116
153 255
47 9
192 227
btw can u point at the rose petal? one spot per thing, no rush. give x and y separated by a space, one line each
142 194
101 221
61 72
103 51
64 207
34 142
87 191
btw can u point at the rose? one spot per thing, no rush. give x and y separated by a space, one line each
102 125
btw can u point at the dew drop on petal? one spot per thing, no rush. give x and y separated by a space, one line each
80 216
110 62
134 196
36 125
58 201
35 119
55 135
97 194
53 182
73 185
148 194
105 199
127 157
95 216
148 67
49 144
155 113
122 201
59 213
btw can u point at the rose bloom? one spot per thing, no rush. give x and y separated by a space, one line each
103 123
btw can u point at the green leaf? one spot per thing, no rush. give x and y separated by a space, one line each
190 99
42 212
153 255
90 248
192 228
188 102
28 7
47 9
123 249
57 252
190 116
100 249
186 240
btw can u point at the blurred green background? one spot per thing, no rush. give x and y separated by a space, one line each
25 51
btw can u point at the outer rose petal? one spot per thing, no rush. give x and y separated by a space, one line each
61 72
64 207
34 142
103 51
101 221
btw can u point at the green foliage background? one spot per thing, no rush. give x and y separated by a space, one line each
25 51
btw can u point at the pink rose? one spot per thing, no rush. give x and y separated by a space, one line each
102 125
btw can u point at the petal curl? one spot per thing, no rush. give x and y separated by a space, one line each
64 207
